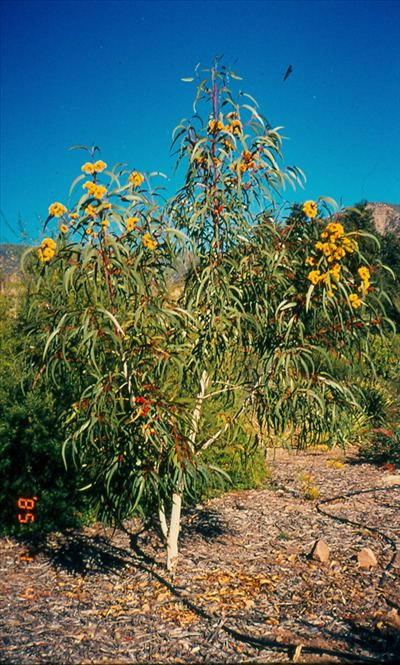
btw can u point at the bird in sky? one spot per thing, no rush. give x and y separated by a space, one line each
288 72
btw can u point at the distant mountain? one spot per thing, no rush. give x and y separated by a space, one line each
10 257
386 217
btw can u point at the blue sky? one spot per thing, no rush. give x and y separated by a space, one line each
108 72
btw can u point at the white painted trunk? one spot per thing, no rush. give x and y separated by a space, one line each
163 521
173 532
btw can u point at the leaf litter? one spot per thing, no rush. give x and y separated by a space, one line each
246 589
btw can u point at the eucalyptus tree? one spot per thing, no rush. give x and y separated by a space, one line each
270 297
257 302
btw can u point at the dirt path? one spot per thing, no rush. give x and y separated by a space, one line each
246 589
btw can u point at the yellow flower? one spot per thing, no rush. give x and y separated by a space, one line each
88 168
105 223
227 144
214 126
131 223
232 115
73 215
106 206
48 242
355 300
310 209
136 178
349 245
246 166
46 250
319 245
91 210
324 234
335 228
99 166
90 186
149 242
364 286
315 276
339 253
57 209
364 273
310 261
335 271
64 228
235 127
99 192
89 230
46 254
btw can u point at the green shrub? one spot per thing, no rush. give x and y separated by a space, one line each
244 463
377 403
30 446
385 355
383 447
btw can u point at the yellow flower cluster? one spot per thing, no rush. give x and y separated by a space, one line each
315 276
46 250
149 242
97 191
355 300
246 163
334 248
131 223
310 209
233 127
365 275
227 144
97 167
57 209
91 210
335 271
136 178
336 244
215 126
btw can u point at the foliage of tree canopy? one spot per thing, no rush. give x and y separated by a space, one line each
160 313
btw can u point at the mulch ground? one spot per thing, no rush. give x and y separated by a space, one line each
246 589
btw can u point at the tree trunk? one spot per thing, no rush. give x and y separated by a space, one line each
163 521
173 532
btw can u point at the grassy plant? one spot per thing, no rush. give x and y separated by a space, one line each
309 487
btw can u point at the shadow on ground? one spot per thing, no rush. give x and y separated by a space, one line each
206 523
79 554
